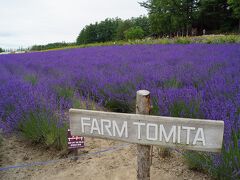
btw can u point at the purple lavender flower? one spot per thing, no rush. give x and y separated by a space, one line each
195 80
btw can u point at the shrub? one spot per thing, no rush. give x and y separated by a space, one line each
41 126
197 160
118 106
226 166
134 33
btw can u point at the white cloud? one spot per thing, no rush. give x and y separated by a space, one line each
28 22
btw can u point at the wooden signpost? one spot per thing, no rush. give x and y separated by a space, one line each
145 130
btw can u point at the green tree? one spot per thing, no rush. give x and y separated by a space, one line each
106 30
171 16
235 6
134 33
99 32
50 46
122 27
88 34
1 50
215 16
144 23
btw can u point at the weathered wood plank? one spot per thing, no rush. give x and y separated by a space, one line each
143 106
192 134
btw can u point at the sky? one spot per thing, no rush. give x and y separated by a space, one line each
24 23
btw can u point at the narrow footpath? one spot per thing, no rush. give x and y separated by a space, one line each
114 164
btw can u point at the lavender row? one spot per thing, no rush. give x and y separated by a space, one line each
195 80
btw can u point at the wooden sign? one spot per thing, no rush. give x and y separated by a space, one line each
192 134
146 130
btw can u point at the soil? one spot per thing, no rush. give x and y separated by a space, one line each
113 164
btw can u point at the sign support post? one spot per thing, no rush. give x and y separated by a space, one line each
75 152
143 151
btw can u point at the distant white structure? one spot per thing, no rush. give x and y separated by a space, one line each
13 52
5 53
19 52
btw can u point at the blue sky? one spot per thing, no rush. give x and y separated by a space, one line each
27 22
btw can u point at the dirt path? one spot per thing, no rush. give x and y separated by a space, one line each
117 164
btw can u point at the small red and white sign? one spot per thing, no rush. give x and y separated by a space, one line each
75 142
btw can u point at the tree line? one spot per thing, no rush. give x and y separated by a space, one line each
166 18
1 50
51 46
193 17
112 29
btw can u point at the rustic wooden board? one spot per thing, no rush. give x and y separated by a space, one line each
185 133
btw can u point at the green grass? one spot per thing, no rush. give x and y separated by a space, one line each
198 161
115 105
65 92
181 109
172 83
79 103
31 78
41 126
155 108
209 39
44 127
227 168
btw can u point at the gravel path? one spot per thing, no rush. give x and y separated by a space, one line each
117 165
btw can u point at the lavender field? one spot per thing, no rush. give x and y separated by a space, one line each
195 80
